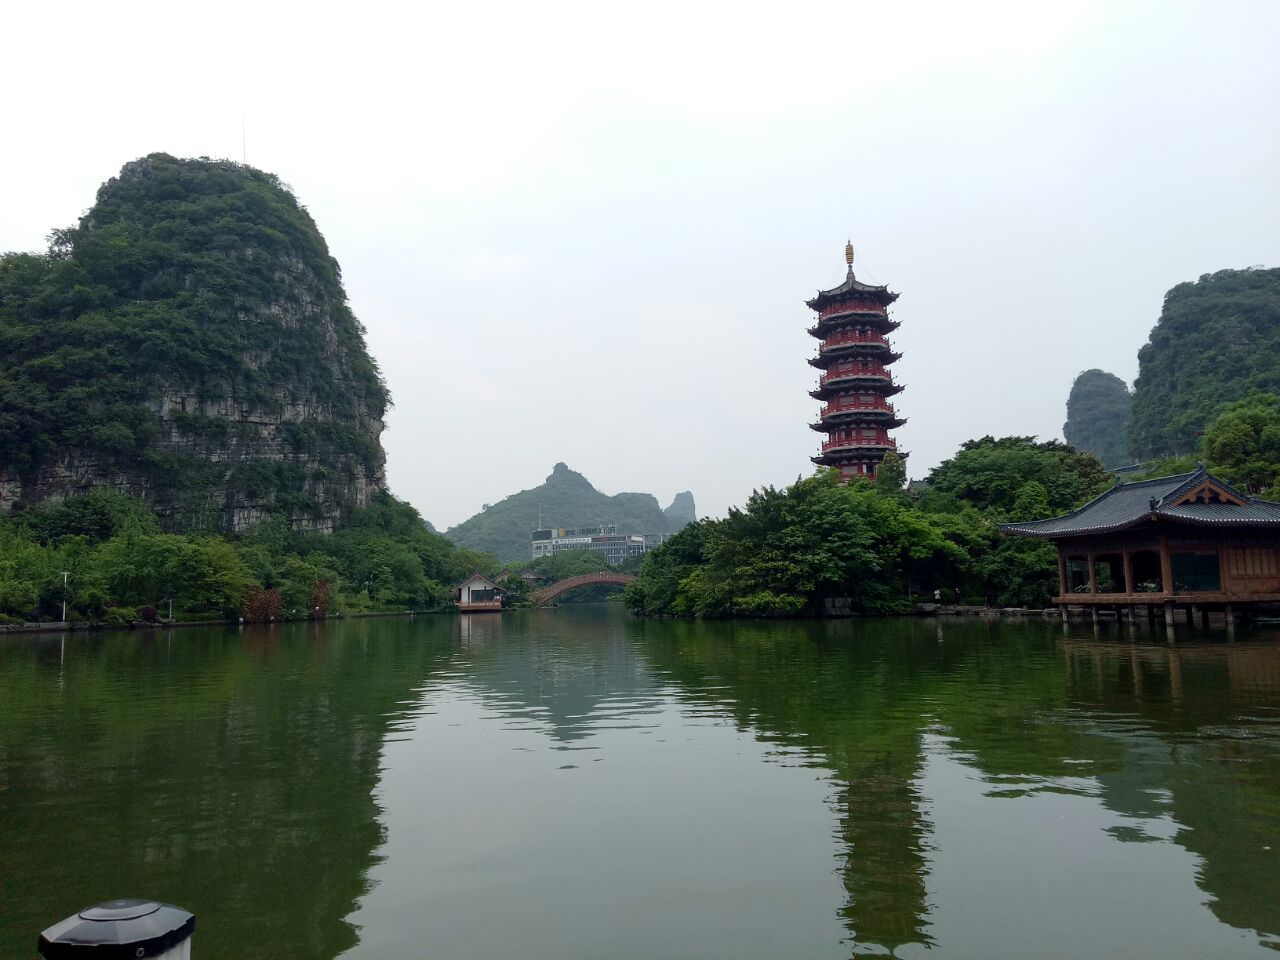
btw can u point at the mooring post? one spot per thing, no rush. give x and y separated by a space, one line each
121 928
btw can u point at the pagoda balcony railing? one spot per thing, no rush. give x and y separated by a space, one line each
852 306
854 337
844 373
855 406
880 443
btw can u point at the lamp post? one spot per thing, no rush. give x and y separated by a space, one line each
65 575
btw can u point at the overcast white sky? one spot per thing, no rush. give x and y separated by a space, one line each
584 232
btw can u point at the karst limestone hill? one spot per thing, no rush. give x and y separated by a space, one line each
1098 416
1217 340
189 342
566 499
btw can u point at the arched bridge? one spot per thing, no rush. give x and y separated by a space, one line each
547 594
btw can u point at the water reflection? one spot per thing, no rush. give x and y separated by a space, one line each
575 783
572 676
229 771
1184 737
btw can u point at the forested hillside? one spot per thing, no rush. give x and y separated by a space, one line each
566 499
188 342
1216 340
1098 416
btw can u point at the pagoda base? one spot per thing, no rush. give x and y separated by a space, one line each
863 462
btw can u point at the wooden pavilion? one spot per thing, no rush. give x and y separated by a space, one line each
478 593
1188 541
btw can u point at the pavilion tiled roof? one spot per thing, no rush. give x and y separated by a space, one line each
1128 504
478 576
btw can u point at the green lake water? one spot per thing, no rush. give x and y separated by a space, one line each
575 783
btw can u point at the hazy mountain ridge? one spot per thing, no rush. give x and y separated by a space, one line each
566 499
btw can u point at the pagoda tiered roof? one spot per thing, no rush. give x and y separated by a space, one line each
884 386
881 322
874 418
880 352
852 286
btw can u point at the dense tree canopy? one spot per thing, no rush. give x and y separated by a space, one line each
1098 416
1243 444
1216 340
117 560
992 474
789 551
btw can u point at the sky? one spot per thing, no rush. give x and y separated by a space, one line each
585 232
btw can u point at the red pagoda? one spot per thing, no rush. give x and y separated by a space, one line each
853 325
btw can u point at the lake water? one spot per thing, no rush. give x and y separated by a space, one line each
575 783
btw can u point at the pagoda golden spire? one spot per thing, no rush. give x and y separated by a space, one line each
848 255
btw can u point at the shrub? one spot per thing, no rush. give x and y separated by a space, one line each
118 617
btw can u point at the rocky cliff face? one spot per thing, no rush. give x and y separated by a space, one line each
189 342
682 510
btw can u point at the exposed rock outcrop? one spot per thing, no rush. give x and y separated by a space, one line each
682 509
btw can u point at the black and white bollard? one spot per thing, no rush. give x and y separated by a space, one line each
121 930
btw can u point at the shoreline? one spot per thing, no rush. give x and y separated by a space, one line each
88 626
966 610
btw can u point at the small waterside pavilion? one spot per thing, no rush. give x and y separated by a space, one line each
478 593
1189 542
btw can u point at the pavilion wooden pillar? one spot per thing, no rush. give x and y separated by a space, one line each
1166 567
1128 572
1093 576
1062 573
1166 583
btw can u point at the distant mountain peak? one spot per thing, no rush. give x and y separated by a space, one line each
682 509
566 499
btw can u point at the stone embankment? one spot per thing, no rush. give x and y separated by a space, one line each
964 610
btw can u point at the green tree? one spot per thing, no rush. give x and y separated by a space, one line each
1243 443
787 551
891 477
990 473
